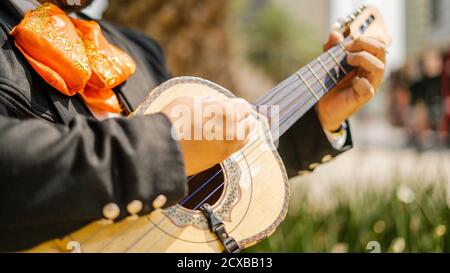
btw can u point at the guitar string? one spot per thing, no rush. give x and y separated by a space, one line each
168 232
314 85
273 91
290 115
340 63
283 122
209 180
145 233
166 217
294 113
325 88
249 168
132 224
222 183
289 83
290 93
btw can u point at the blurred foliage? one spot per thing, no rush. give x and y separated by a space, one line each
403 219
193 33
199 36
274 40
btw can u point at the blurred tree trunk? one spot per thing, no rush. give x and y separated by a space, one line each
191 32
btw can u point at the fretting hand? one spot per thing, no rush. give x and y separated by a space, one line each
368 55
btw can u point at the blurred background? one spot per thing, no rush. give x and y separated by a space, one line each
391 193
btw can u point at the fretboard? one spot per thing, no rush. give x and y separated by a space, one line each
300 92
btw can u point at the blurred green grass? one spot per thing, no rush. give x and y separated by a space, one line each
407 217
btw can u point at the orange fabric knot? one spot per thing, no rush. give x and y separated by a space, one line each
73 56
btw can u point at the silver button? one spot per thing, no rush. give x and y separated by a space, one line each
111 211
73 247
314 165
159 201
134 207
327 158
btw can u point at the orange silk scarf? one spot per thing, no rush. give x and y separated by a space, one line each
73 56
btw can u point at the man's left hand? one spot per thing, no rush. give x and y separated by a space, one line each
368 56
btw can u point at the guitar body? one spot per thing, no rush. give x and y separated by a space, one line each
252 202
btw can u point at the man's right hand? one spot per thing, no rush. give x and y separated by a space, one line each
209 130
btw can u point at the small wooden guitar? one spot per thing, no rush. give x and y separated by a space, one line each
249 192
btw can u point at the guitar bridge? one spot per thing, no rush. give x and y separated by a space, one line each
217 226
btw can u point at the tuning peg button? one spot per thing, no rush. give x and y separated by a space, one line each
341 21
159 201
336 26
134 207
111 211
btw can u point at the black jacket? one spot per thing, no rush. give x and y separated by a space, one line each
59 166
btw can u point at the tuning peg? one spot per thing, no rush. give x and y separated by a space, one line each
348 20
342 25
341 22
360 10
336 26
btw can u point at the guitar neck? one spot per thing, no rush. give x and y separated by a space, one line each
300 92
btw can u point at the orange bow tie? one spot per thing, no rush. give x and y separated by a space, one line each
73 56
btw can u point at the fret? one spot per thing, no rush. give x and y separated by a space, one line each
337 62
279 92
328 72
317 78
308 86
302 90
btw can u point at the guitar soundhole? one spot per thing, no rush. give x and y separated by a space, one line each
205 187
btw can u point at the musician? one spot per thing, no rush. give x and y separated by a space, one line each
69 155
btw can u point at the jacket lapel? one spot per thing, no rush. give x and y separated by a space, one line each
131 93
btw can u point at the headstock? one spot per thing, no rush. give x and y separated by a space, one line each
366 21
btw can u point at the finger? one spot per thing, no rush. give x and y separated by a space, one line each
239 108
252 123
230 108
215 109
246 126
363 89
369 63
243 108
369 44
334 39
